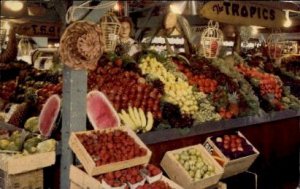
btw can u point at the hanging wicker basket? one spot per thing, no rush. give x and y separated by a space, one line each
110 27
24 47
211 40
275 45
81 45
3 34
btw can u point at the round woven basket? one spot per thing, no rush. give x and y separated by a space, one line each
81 45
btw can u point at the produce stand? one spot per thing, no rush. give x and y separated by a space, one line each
273 130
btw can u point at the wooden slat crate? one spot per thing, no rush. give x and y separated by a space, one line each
14 164
89 164
235 166
32 180
81 180
177 173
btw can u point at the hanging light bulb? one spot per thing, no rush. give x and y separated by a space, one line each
287 23
178 7
14 5
254 30
117 7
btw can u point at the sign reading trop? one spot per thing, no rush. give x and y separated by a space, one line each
243 13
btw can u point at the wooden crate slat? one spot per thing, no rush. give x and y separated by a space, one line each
21 164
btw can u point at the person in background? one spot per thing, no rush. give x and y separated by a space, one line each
126 44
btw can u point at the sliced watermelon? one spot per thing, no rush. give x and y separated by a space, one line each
100 111
49 115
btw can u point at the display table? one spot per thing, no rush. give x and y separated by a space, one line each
275 135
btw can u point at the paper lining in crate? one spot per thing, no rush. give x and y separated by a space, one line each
80 179
177 173
17 163
231 166
90 165
33 179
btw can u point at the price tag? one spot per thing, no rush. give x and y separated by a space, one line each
208 147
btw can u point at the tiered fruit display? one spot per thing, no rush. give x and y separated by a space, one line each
110 146
177 91
226 66
222 91
133 177
125 88
137 120
290 66
193 162
270 86
233 146
7 89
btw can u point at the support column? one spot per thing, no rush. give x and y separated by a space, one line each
73 116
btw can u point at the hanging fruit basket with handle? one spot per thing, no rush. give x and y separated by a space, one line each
275 43
211 40
110 27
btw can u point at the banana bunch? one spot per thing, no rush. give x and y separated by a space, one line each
137 120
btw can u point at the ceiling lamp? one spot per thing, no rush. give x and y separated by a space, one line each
287 23
14 5
178 7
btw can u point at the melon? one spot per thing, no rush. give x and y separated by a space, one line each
100 111
49 115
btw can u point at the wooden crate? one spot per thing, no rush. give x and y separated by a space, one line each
15 164
89 164
177 173
81 179
32 180
235 166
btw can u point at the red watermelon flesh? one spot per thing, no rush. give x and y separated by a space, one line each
49 115
100 111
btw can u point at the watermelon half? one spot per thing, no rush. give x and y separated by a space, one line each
49 115
100 111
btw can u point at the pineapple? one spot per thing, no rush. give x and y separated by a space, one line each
233 103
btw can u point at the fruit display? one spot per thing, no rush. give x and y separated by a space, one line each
7 89
48 115
289 65
269 88
223 92
177 91
100 112
110 146
24 143
226 66
125 88
137 119
233 146
194 164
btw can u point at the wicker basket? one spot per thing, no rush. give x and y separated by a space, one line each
110 27
81 45
211 40
275 45
3 33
